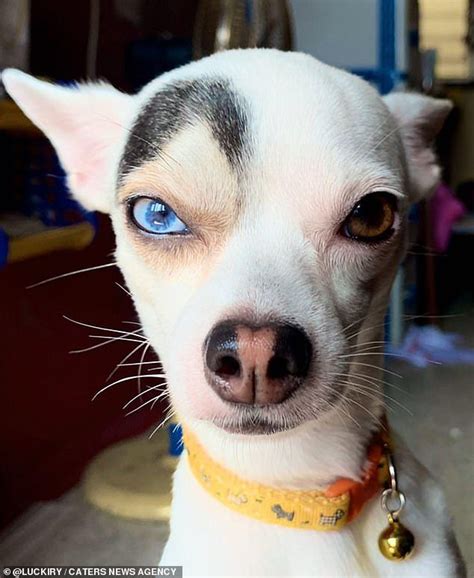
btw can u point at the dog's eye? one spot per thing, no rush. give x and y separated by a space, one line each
154 216
372 218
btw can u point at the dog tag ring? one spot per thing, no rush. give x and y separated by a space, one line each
396 542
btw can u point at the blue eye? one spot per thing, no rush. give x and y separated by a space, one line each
153 216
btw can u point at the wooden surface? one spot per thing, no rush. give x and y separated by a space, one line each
13 120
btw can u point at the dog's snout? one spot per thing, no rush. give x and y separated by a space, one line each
258 365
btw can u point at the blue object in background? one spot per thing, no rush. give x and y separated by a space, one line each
386 76
175 437
3 247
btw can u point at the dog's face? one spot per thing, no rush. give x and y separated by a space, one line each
259 201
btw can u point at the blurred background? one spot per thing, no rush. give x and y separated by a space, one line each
62 499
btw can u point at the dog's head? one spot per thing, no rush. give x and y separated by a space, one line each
260 203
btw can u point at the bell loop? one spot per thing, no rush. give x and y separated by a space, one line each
393 502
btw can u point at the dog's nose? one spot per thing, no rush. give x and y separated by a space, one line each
258 365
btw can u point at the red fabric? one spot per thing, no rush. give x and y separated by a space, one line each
50 427
360 492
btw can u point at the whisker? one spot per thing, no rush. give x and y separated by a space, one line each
71 273
371 328
119 338
123 288
368 343
338 403
141 363
165 393
365 388
385 354
379 309
140 367
340 406
370 379
152 388
109 340
161 424
82 324
367 394
372 415
405 318
122 380
128 356
153 401
377 367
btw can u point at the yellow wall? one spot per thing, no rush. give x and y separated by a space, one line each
443 26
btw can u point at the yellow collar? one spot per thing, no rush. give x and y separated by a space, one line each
325 510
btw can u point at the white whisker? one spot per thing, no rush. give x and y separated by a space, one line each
162 423
71 273
141 363
100 328
109 340
381 353
123 288
140 367
165 393
128 356
153 400
369 379
372 415
365 389
151 388
120 338
368 344
376 367
123 379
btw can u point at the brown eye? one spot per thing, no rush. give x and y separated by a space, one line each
372 219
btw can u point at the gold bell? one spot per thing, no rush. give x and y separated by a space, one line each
396 542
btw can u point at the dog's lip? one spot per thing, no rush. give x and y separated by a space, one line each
252 425
266 419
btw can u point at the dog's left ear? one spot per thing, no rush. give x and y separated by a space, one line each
420 118
85 123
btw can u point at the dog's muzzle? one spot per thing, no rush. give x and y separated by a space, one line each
256 365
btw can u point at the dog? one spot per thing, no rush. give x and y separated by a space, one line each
260 203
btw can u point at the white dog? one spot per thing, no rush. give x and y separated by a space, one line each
260 201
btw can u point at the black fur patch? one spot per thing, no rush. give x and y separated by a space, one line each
182 104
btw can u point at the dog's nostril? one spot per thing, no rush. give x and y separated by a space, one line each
227 366
277 368
293 348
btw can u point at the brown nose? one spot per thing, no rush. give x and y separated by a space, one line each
256 365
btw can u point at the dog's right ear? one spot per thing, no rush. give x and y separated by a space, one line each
85 123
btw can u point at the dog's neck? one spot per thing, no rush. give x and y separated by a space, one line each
311 456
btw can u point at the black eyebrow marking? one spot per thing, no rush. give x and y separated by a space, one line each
185 103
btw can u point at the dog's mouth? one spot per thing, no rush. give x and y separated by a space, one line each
252 425
261 420
272 419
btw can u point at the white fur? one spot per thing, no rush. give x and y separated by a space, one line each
319 140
